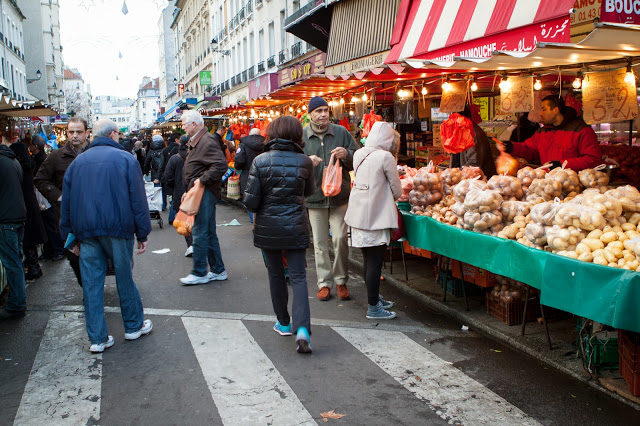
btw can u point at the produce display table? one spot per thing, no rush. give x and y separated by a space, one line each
608 295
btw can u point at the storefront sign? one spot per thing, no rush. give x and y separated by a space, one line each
483 104
517 95
608 98
454 97
620 11
585 11
302 70
360 64
522 39
205 78
180 90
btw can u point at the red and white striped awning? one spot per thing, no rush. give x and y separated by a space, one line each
442 29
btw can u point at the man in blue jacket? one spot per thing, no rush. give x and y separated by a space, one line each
103 205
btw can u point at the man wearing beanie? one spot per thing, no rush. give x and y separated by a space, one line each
321 140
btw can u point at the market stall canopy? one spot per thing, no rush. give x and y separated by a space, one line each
441 29
14 108
312 23
182 103
606 42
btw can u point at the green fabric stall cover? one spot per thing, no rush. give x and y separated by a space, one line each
601 293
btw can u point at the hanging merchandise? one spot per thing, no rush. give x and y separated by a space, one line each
367 122
125 10
403 106
344 122
359 106
304 119
457 134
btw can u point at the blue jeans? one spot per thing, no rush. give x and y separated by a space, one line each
11 236
93 266
172 213
206 247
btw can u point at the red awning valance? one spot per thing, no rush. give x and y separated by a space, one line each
428 29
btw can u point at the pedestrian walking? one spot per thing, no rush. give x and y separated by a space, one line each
139 152
34 230
278 183
250 147
372 211
205 163
53 249
154 163
173 145
326 214
103 205
218 135
13 214
50 177
172 179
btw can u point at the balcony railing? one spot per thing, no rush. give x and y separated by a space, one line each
244 75
282 57
258 3
271 61
296 50
251 73
239 78
310 47
241 15
233 81
261 67
249 8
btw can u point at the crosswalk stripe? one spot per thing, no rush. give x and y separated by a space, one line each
453 395
245 385
64 386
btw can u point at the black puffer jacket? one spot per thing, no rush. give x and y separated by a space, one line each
250 147
279 181
154 162
12 207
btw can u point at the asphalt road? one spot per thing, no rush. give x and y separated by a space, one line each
212 357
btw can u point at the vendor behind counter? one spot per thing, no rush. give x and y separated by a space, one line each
563 137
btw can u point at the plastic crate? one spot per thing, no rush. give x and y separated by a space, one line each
629 351
473 274
511 313
601 351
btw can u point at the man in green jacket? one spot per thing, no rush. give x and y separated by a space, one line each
321 140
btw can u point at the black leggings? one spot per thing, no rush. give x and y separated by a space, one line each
373 259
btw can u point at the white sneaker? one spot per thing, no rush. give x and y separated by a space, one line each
194 279
145 329
98 348
189 252
212 276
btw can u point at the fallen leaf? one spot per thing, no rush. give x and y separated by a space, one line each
418 378
331 415
572 395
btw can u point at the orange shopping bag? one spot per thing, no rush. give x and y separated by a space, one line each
332 177
184 223
191 202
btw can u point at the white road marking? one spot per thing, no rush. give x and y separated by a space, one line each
453 395
65 383
246 387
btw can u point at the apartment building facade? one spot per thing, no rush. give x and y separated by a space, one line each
167 51
77 95
113 108
42 35
146 107
14 74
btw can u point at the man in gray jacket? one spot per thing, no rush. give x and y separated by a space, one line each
322 139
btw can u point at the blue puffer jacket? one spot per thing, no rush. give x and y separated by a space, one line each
103 194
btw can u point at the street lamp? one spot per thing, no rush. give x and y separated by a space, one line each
38 77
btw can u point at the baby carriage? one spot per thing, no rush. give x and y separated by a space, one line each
154 198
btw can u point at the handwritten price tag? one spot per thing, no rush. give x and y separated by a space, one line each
517 96
454 98
607 98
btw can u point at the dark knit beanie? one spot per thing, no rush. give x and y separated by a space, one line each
316 102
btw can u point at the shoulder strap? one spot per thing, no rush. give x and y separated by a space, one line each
355 172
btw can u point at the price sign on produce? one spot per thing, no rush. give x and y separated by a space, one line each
454 97
517 95
608 98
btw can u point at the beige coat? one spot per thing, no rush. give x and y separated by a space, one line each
377 184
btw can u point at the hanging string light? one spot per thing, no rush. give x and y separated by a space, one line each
630 77
365 97
304 107
424 91
538 84
474 85
504 84
342 101
577 83
447 84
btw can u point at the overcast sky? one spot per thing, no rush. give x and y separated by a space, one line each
94 33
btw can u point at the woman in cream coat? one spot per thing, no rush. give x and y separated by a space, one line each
372 212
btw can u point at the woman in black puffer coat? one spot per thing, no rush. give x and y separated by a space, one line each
278 183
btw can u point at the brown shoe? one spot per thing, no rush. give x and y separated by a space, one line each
343 292
324 293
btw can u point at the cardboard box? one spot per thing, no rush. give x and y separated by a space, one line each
473 274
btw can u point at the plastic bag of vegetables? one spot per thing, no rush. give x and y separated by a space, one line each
594 178
510 187
482 200
580 216
461 189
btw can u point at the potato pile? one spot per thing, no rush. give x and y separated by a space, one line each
629 197
528 174
568 178
472 173
508 290
592 178
609 207
427 190
482 210
541 190
450 178
510 187
461 189
511 209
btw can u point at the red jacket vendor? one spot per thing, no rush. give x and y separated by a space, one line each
563 137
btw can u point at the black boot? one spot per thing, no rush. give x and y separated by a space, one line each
33 267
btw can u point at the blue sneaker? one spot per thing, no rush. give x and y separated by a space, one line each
283 330
378 312
303 340
386 304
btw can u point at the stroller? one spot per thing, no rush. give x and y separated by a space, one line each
154 198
